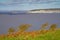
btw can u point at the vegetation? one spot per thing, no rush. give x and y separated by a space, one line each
53 27
44 26
24 27
11 30
53 33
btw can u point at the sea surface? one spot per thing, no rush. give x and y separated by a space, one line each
8 20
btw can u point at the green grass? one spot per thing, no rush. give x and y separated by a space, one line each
50 35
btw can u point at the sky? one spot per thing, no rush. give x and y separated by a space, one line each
7 21
28 4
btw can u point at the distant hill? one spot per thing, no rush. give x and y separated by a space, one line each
46 9
50 10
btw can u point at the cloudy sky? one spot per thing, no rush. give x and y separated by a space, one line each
28 4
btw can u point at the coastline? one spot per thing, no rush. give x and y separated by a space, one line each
45 11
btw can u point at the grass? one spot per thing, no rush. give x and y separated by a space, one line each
37 35
52 33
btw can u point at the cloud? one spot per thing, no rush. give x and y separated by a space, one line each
28 4
18 2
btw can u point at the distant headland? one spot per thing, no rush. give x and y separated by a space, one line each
51 10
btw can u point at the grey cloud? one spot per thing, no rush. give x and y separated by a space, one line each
18 2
